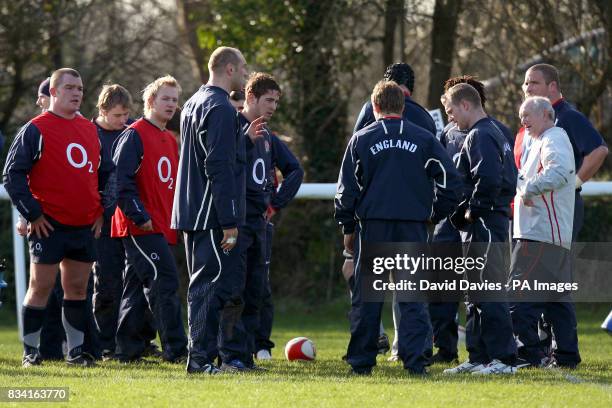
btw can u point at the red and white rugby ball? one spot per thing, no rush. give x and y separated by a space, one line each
300 349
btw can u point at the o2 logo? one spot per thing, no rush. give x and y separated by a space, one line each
259 163
164 170
84 162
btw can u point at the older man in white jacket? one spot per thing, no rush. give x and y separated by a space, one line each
543 220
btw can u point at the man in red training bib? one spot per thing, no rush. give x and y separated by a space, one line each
53 172
146 160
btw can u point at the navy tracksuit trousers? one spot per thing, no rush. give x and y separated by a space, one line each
214 298
150 274
489 326
365 316
443 315
266 310
252 237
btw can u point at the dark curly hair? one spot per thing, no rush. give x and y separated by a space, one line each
402 74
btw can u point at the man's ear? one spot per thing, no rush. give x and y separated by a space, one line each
53 91
375 107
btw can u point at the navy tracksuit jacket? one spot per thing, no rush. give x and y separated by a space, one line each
210 197
395 177
443 314
489 176
262 157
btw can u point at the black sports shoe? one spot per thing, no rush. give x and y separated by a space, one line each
234 366
194 367
364 371
152 350
30 360
108 355
180 359
81 360
421 372
440 358
553 364
383 344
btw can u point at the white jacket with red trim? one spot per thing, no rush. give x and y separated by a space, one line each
548 178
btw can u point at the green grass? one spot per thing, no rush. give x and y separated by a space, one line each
325 382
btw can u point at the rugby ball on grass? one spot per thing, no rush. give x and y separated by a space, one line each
300 349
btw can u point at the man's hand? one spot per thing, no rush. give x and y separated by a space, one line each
230 238
97 227
270 212
349 243
528 202
256 129
147 226
22 227
41 227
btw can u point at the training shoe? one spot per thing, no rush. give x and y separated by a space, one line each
81 360
180 359
523 363
417 373
195 368
234 366
152 350
496 367
440 358
361 371
263 354
383 344
108 355
30 360
465 367
393 358
552 364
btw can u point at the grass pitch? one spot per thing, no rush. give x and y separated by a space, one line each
325 382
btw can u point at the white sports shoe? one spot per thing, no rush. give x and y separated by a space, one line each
465 367
496 367
263 354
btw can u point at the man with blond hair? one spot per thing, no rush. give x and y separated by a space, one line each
395 179
209 206
52 177
146 160
482 217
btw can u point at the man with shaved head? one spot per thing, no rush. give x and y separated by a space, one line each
209 206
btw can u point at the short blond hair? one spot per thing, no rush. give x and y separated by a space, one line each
388 97
463 92
150 92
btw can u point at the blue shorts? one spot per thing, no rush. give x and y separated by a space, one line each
76 243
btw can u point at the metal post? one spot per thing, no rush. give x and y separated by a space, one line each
20 270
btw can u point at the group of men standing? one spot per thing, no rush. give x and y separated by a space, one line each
114 195
397 178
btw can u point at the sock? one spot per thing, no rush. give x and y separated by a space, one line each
74 319
33 319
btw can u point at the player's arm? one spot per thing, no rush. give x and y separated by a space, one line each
486 169
347 191
23 154
440 168
127 158
291 170
557 168
589 143
220 142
